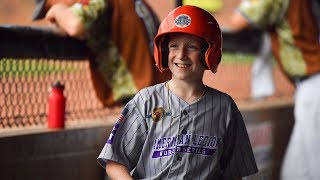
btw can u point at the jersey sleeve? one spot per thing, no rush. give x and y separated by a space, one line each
237 159
126 139
95 18
262 13
88 10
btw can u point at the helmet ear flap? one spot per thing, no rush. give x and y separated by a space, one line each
213 58
203 59
163 53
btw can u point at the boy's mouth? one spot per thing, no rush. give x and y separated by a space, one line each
182 65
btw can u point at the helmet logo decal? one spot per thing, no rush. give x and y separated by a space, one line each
182 21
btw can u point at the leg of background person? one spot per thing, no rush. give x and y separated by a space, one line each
302 158
262 84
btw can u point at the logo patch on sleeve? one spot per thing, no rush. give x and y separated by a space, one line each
117 125
122 114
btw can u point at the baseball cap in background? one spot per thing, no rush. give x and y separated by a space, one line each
39 11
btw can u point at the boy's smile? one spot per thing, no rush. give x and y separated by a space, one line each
182 65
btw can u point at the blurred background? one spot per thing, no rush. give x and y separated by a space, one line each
31 151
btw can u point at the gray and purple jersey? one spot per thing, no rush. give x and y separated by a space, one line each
160 136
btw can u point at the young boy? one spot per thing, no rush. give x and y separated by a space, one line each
181 129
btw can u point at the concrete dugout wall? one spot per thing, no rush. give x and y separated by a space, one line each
55 155
269 125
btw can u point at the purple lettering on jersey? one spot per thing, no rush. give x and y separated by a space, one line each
184 149
173 141
117 125
112 134
187 138
186 143
195 150
163 153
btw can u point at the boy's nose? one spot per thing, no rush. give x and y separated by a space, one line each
182 53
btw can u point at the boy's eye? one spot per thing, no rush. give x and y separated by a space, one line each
192 47
172 46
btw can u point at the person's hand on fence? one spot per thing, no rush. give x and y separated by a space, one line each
57 30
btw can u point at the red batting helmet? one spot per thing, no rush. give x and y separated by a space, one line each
195 21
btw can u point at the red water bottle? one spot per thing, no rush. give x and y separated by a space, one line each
56 109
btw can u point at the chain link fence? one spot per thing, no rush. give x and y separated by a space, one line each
31 60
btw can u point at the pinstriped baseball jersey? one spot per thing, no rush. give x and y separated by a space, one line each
160 136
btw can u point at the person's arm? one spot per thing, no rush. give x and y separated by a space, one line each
63 18
116 170
236 23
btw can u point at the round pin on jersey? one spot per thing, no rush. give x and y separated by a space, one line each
158 114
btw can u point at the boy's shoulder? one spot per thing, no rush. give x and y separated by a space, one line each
222 97
222 94
147 92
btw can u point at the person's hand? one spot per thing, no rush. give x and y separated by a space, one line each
52 18
64 21
54 11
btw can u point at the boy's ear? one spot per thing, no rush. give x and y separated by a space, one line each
204 49
203 62
214 69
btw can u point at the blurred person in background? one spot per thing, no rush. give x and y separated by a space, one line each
120 36
294 31
262 82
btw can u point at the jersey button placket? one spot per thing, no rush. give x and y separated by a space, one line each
184 131
179 158
184 112
183 120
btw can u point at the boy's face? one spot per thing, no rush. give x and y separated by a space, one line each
184 56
